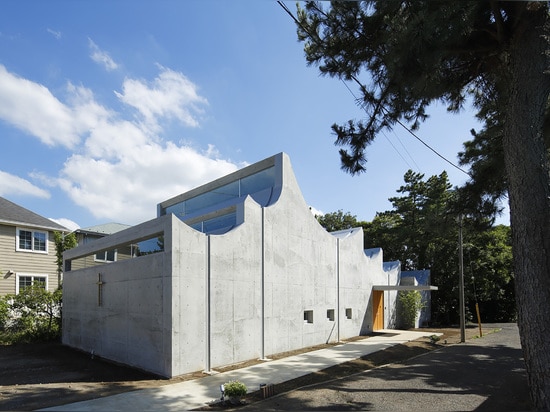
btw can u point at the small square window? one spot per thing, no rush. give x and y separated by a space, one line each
308 316
330 315
348 313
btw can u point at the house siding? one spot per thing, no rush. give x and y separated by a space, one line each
24 262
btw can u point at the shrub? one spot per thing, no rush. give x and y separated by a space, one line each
410 303
234 389
4 313
33 315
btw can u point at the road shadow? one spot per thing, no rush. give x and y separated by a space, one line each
458 377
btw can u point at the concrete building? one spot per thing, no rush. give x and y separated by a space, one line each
234 270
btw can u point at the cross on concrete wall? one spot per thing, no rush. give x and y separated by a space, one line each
99 284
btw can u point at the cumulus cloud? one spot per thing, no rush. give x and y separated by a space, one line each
117 168
171 95
101 57
32 108
15 185
129 188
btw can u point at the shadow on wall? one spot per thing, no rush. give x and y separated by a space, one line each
331 334
392 321
366 325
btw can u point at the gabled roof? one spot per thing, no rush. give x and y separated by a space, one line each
104 229
14 215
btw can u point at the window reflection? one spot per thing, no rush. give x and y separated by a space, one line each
248 185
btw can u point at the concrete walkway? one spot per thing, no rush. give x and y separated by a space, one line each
199 392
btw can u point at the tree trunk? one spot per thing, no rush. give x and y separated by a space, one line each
528 170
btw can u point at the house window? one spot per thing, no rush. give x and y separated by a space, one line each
330 315
348 313
308 316
106 256
28 240
25 281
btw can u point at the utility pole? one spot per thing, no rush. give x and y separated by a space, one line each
461 282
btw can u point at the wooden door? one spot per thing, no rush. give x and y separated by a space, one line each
377 309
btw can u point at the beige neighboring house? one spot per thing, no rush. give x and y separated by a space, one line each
27 249
89 234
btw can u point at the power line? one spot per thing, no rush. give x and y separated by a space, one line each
361 86
361 106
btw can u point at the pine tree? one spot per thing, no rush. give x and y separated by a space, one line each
418 52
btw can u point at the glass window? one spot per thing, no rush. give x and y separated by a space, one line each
106 256
25 240
218 224
216 196
149 246
26 281
177 209
39 241
258 181
348 313
33 241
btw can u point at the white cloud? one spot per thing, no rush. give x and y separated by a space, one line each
129 188
101 57
31 108
316 212
56 34
170 95
68 223
14 185
118 169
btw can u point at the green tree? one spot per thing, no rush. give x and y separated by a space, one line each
62 243
419 52
489 279
421 232
338 221
384 232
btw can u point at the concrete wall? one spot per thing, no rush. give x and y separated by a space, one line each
213 300
189 258
236 291
132 323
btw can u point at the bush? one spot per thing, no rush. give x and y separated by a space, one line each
4 313
234 389
410 303
33 315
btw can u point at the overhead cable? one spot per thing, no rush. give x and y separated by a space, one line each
287 10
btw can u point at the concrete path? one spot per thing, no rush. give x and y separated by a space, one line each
197 393
484 374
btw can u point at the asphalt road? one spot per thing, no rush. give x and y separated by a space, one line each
484 374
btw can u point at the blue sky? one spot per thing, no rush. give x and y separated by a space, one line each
108 108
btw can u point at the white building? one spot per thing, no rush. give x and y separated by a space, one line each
243 271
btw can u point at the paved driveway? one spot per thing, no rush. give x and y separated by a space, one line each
486 374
